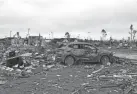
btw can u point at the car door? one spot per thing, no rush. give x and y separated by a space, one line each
90 52
77 51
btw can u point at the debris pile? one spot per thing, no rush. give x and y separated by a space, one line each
21 61
115 79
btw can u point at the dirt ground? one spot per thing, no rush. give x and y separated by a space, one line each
77 79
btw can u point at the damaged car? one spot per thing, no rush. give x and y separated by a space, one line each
76 52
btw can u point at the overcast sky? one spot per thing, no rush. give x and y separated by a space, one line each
74 16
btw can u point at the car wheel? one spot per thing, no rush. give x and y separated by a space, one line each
105 60
69 61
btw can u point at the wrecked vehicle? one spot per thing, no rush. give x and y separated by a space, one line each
74 52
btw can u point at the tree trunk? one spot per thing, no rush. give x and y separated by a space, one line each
131 35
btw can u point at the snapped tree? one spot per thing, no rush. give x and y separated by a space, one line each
131 33
104 34
67 35
134 34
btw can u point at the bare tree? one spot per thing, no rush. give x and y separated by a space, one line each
134 34
131 33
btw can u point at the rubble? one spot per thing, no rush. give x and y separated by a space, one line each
2 80
24 60
92 79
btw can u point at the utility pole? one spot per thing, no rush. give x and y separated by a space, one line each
78 36
49 35
88 35
27 37
52 34
10 33
28 31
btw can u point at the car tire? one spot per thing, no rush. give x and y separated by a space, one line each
105 60
69 61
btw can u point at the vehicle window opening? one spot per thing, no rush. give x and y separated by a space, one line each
76 46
